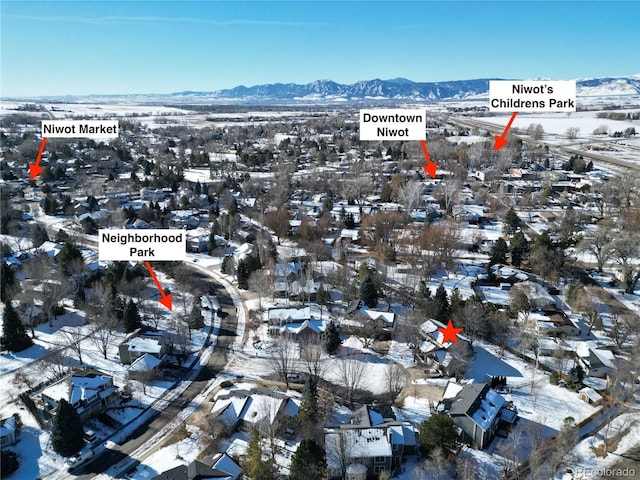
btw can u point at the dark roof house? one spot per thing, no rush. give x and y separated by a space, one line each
477 410
218 466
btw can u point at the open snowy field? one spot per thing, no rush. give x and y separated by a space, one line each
558 123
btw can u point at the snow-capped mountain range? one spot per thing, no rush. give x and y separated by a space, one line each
327 91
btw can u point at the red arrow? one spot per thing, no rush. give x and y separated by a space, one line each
166 299
429 167
501 141
35 168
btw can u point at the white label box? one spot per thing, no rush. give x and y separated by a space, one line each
532 95
80 128
393 124
163 244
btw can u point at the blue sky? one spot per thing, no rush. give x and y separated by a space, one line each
118 47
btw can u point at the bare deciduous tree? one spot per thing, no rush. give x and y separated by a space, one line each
339 449
53 365
74 337
572 132
563 445
104 334
598 243
311 356
283 359
350 371
260 283
395 378
409 195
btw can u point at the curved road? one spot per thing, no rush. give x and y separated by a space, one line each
215 364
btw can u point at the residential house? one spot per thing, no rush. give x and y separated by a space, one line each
385 321
247 409
353 449
88 391
552 322
197 243
478 409
596 362
219 466
538 297
8 432
143 366
142 341
379 323
295 321
449 358
371 443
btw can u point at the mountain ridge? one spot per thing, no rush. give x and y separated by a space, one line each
376 90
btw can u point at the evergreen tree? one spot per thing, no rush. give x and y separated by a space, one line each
8 282
246 267
14 335
255 467
131 317
511 222
440 305
349 222
519 249
62 236
196 320
456 301
575 377
499 252
66 431
423 297
39 235
308 462
308 404
68 254
331 339
322 295
438 431
227 266
369 292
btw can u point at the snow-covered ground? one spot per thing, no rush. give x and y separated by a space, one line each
588 456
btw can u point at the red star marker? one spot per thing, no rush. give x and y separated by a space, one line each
450 333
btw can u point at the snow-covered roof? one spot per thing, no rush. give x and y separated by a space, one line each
349 233
52 249
144 345
314 325
591 394
145 363
81 388
7 427
452 390
367 442
479 402
226 464
388 317
292 407
489 409
289 314
584 350
259 407
402 435
430 329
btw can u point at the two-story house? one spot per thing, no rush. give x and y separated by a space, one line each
373 442
478 409
88 391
